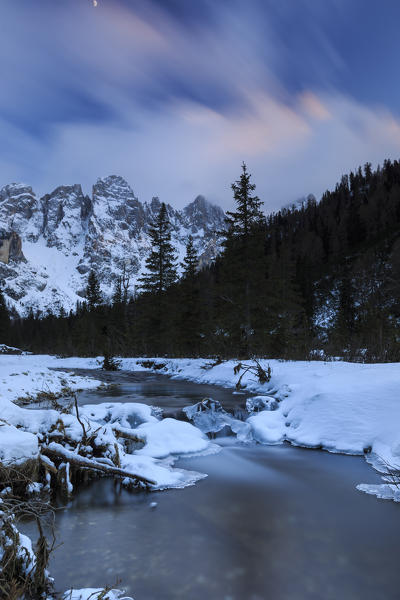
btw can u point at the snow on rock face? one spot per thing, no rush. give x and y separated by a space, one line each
66 234
199 213
113 241
116 206
65 211
20 211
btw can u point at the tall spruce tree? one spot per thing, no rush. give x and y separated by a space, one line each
93 293
117 294
160 263
189 321
191 260
241 223
158 311
243 260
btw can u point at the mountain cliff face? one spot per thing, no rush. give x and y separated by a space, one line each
48 245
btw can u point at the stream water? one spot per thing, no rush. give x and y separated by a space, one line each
268 522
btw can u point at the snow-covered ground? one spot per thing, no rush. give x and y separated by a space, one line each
350 408
28 434
25 376
341 407
337 406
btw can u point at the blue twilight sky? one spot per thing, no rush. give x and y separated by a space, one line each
175 94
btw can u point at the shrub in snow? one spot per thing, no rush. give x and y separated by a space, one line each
110 363
263 375
23 572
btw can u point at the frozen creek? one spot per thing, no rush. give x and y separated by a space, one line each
268 521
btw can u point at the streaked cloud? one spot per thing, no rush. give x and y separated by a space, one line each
174 96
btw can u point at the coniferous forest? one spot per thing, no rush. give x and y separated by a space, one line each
317 280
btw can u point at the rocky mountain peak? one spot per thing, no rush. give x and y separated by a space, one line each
113 188
200 213
64 211
115 207
48 246
20 211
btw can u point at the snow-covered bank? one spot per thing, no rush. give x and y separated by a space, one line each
26 376
350 408
125 440
341 407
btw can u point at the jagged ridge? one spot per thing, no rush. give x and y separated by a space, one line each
48 245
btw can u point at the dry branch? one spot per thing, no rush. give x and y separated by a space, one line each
56 451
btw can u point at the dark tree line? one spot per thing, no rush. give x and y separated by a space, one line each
319 279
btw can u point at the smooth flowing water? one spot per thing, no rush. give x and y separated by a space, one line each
268 522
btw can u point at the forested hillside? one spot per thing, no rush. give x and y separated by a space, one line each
320 279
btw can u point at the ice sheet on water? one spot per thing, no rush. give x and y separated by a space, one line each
383 490
209 416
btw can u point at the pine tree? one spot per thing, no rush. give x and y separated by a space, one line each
93 293
243 261
188 329
191 261
117 295
157 310
161 262
248 212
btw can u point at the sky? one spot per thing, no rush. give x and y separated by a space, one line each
174 94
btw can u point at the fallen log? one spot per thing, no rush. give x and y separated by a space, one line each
127 434
57 451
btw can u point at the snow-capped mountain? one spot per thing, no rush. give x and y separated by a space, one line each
49 245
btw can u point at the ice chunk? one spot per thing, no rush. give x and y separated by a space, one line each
209 416
258 403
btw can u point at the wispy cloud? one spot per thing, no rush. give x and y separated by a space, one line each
175 100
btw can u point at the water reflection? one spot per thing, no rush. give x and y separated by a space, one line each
157 390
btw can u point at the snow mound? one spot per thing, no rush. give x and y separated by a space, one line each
17 446
170 436
127 414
